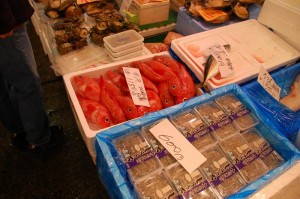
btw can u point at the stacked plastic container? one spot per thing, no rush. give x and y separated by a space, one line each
124 45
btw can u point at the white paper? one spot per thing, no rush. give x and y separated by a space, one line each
267 82
177 145
136 86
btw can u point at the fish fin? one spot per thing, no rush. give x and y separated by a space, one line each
205 86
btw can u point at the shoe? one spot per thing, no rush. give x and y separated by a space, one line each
55 141
19 141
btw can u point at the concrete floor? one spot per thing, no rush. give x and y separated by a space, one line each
69 174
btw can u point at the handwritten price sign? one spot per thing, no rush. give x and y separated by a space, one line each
267 82
136 86
177 145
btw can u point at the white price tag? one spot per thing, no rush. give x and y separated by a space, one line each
224 63
136 86
177 145
267 82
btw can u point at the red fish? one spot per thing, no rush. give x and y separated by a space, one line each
168 61
188 84
112 89
95 112
113 107
166 98
118 79
87 87
129 108
149 73
154 101
142 110
160 69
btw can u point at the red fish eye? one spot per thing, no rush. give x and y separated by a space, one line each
184 99
129 109
106 119
166 101
173 86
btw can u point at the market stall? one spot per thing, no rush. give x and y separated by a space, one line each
207 84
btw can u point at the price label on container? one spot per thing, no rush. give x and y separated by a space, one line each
267 82
177 145
221 56
136 86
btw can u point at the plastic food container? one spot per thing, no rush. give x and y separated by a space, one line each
217 167
123 41
137 155
221 124
243 157
252 45
263 149
194 128
126 52
190 185
155 185
237 111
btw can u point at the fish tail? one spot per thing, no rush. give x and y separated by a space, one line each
205 86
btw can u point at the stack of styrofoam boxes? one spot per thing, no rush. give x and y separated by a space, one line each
124 45
283 17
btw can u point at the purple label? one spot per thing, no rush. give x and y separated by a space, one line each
266 152
247 160
220 124
131 162
161 153
224 176
199 133
196 189
239 114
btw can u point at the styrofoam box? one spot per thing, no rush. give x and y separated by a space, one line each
283 17
149 13
123 40
252 46
88 131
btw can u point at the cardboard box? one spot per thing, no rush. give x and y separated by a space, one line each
149 13
283 17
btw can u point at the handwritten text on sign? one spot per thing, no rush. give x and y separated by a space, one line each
177 145
136 86
224 63
267 82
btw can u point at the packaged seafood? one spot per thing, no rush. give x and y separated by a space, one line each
221 124
243 157
137 155
222 175
163 155
190 186
155 186
194 128
263 149
237 111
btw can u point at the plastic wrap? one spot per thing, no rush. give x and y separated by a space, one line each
112 171
277 115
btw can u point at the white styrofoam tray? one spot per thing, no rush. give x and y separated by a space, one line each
88 131
252 46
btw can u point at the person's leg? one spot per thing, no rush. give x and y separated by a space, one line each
17 67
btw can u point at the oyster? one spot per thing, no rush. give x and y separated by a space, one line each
65 24
64 4
52 14
248 1
101 28
240 10
79 44
217 3
115 25
73 12
96 38
53 4
64 48
61 36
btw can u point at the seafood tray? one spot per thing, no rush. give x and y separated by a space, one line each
221 124
193 185
89 130
243 157
252 46
231 183
194 129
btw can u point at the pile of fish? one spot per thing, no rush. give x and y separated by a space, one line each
218 11
106 100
